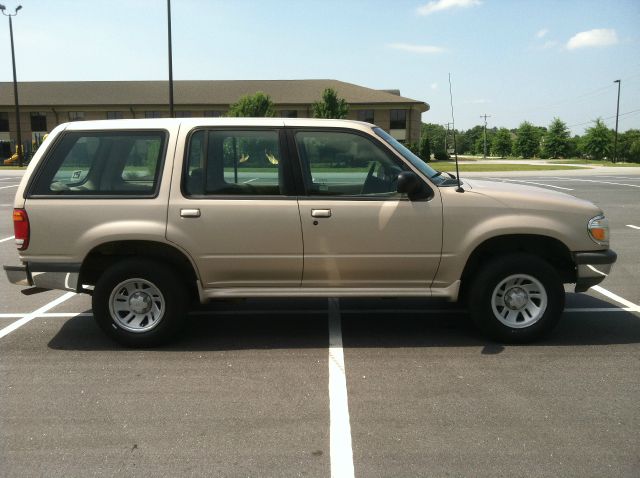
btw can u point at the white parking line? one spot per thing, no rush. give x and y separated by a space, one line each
617 298
602 182
632 226
12 186
29 317
339 424
7 239
531 182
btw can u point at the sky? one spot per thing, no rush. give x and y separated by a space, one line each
512 60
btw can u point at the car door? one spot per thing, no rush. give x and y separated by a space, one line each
358 231
233 208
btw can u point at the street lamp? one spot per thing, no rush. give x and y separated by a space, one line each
15 81
615 141
171 114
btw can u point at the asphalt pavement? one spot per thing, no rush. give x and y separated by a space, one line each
261 387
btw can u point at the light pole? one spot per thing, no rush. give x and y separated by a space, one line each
170 60
15 81
615 141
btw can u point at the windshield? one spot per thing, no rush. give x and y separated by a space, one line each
409 156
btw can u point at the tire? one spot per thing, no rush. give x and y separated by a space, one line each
516 298
139 303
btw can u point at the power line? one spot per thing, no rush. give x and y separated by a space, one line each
595 92
604 119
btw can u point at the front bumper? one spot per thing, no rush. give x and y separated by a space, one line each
45 275
592 267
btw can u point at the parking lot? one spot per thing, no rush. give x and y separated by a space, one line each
389 387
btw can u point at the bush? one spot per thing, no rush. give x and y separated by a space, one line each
441 156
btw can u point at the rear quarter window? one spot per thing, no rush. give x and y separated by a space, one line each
102 163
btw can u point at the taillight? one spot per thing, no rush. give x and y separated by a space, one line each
21 228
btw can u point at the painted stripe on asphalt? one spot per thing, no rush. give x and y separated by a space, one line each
570 310
7 239
29 317
602 182
339 424
632 226
12 186
617 298
531 182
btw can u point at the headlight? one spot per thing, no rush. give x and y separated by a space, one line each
599 230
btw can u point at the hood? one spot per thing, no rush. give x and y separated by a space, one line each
521 196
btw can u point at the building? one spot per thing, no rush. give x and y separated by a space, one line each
44 105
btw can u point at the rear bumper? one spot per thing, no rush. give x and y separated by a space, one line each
45 275
592 267
18 275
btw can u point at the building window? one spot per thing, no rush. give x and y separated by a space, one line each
114 115
152 114
398 119
38 122
4 122
213 114
365 115
288 114
183 114
76 115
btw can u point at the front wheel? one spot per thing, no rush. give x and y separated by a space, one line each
516 298
139 303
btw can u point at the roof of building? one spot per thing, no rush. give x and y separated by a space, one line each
191 92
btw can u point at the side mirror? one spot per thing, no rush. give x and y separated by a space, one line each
410 184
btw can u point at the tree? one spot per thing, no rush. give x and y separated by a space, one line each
557 141
598 140
467 141
527 140
424 148
502 143
331 106
436 134
258 105
629 146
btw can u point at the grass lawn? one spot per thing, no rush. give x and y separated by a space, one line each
11 167
451 167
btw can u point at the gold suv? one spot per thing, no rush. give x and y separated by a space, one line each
148 215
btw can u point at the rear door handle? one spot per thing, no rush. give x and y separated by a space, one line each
321 213
189 212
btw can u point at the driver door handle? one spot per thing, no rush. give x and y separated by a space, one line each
189 212
321 213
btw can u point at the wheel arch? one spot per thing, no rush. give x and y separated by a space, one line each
552 250
108 253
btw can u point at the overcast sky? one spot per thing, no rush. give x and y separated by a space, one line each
514 60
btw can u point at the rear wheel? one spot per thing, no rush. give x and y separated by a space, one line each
139 303
516 298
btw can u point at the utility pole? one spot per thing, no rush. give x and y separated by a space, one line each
485 116
615 141
446 137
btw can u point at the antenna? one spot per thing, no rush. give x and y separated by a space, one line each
455 148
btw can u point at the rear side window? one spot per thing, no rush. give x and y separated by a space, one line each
102 163
229 162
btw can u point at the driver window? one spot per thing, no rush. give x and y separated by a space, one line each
336 163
